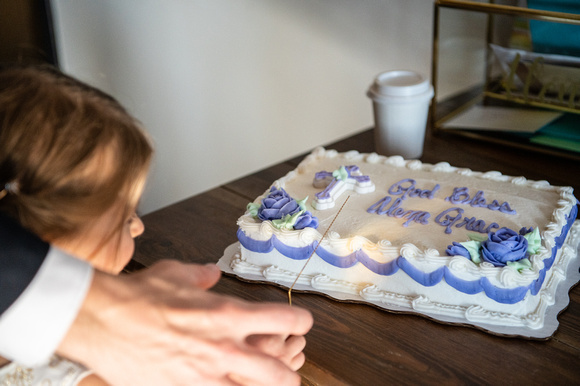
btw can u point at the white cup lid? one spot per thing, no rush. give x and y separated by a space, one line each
400 83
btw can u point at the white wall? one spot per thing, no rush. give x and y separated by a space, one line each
228 87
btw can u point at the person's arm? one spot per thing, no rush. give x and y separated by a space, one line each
21 255
162 326
41 291
157 326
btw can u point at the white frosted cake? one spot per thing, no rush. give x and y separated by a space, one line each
458 246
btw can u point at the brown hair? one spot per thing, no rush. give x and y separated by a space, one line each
68 152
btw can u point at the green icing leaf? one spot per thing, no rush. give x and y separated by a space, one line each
302 203
253 209
477 237
520 264
534 241
472 247
288 221
340 174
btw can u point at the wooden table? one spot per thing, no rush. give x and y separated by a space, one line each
356 344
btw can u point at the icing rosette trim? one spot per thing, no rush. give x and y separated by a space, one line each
505 247
283 211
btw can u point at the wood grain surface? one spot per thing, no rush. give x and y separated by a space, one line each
355 344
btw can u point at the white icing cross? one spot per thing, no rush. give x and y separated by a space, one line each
338 182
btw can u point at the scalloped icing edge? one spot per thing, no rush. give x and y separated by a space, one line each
563 208
421 304
470 314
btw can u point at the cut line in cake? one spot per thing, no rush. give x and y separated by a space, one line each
483 249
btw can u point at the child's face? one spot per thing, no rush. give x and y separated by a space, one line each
116 252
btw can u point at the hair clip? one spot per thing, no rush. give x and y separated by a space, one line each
12 187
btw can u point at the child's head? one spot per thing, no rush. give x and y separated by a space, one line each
74 163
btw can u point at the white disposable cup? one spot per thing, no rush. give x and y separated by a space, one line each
401 101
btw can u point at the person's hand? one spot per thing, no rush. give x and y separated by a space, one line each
286 348
162 326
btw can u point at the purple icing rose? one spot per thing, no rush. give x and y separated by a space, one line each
503 246
277 205
306 219
457 250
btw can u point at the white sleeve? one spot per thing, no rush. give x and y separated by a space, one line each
34 325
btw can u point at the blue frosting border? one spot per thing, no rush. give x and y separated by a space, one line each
427 279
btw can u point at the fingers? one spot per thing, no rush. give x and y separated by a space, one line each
293 356
205 276
297 362
227 361
287 349
273 319
164 315
199 276
264 318
260 369
269 344
180 284
233 318
271 357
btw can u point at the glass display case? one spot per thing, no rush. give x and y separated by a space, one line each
509 72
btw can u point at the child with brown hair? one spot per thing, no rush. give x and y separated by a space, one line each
73 165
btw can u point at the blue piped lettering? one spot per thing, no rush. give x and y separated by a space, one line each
461 196
411 190
447 220
395 210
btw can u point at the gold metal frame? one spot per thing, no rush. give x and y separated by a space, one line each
450 108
